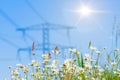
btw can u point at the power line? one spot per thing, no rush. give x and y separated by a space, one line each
9 42
36 12
9 19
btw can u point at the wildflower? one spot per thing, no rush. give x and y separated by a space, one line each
87 66
68 62
31 64
33 46
98 52
38 74
116 49
34 62
19 79
56 50
15 72
9 67
49 78
79 78
93 48
38 68
48 66
46 61
33 54
70 50
54 63
74 50
98 73
63 66
81 70
115 72
45 56
118 70
103 79
86 76
77 53
32 74
25 68
104 48
92 60
19 65
93 78
87 56
49 55
55 71
51 70
13 77
113 63
96 66
37 65
101 70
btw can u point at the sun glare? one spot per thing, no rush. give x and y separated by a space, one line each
85 10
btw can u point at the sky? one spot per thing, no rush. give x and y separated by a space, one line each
97 27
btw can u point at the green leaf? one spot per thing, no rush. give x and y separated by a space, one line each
89 45
82 60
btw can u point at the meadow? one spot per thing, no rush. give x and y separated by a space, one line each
78 66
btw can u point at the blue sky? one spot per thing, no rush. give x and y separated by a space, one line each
16 13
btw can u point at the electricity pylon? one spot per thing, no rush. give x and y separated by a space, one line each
45 28
115 33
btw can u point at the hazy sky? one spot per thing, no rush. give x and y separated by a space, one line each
97 27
